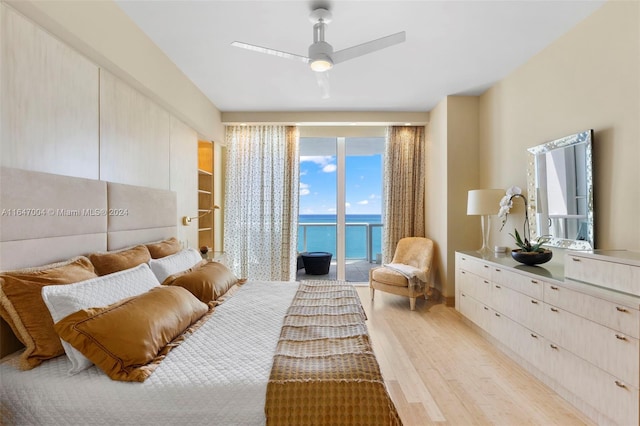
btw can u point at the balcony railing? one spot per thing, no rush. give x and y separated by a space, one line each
363 240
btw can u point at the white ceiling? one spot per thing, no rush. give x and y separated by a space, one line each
452 48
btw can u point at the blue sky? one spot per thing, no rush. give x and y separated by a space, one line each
318 180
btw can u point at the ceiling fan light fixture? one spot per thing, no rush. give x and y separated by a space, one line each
321 64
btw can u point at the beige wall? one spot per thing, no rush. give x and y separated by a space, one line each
452 170
589 78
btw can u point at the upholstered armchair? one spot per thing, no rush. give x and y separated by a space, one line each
409 272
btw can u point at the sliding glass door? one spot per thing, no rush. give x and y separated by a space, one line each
341 204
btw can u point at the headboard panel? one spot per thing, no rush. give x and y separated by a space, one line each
138 215
47 218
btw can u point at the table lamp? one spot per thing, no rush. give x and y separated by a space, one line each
484 202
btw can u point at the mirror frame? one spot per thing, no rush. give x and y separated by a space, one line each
585 137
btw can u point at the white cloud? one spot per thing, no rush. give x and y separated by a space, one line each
373 196
303 172
363 202
347 205
324 161
304 189
331 210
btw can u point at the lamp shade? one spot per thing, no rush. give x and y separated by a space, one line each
484 201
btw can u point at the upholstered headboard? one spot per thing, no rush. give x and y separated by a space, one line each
46 218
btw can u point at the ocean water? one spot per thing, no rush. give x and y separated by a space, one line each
323 237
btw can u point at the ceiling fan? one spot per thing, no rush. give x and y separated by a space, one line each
321 57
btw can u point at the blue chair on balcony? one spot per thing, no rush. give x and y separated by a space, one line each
409 272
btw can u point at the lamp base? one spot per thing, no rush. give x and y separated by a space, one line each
485 221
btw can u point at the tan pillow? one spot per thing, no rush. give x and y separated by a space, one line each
25 311
164 248
128 339
109 262
208 280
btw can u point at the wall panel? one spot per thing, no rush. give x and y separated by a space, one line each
135 136
49 102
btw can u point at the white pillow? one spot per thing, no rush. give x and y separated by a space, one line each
63 300
174 263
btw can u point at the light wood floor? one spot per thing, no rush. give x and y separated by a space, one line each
439 370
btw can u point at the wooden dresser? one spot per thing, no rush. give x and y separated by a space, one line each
573 323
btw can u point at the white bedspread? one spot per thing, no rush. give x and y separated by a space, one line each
217 376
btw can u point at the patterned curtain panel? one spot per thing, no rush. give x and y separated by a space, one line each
404 186
261 201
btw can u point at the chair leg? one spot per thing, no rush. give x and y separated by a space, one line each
373 292
412 303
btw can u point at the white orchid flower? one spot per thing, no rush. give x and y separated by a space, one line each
514 190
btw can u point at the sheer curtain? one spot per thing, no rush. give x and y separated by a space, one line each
261 201
404 186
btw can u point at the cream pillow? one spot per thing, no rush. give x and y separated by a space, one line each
175 263
65 300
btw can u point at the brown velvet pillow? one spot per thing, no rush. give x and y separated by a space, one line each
25 312
208 280
128 339
164 248
109 262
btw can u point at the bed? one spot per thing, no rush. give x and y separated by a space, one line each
265 353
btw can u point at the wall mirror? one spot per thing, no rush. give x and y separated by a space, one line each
560 191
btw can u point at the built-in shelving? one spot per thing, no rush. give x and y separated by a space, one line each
205 194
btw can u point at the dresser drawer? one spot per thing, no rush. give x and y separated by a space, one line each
612 351
521 308
530 286
610 396
613 315
475 311
617 276
474 266
473 285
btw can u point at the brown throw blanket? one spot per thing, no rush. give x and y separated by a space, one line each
324 371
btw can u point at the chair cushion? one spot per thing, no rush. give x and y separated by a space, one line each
387 276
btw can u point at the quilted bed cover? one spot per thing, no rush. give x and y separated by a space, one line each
217 376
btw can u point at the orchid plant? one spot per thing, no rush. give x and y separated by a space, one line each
506 203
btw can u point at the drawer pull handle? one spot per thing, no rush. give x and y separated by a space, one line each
485 281
552 346
486 266
497 314
554 310
534 336
621 309
498 270
497 286
535 302
485 308
620 384
463 295
553 287
463 272
575 259
534 282
620 337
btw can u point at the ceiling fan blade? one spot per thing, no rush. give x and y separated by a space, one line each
323 83
368 47
270 51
